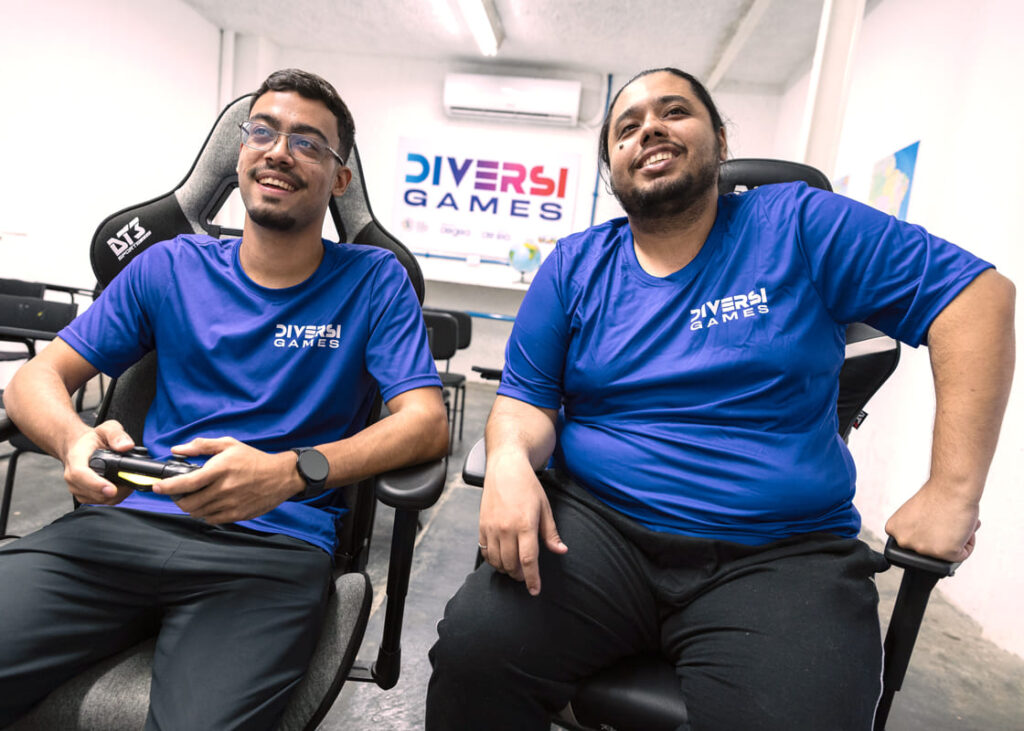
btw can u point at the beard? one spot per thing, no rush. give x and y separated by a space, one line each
266 215
668 198
273 220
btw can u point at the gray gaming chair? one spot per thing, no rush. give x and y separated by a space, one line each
642 693
114 695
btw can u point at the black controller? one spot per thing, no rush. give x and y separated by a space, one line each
136 469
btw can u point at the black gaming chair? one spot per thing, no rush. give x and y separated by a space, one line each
115 694
642 693
443 330
456 382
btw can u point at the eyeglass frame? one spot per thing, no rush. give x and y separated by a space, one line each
246 134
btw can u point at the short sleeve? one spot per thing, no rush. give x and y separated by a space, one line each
118 328
536 351
397 352
871 267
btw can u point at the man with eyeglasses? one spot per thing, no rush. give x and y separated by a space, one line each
270 349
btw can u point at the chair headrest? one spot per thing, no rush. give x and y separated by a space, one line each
355 222
750 173
186 209
195 201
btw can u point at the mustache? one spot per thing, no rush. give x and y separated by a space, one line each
255 173
646 152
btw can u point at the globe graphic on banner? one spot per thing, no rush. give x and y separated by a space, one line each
524 258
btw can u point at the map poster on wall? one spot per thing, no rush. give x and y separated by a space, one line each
476 203
891 180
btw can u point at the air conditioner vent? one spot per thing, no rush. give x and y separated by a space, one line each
512 98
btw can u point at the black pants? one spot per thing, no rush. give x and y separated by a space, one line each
238 613
782 636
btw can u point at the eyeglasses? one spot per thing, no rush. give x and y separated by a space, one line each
257 136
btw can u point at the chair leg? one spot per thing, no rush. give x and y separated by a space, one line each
462 410
5 502
450 413
453 414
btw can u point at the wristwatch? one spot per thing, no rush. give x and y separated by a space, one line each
313 468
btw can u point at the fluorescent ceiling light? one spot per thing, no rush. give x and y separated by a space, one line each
482 18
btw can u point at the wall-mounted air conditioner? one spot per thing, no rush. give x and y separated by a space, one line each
512 98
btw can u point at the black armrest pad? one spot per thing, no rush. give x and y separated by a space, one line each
26 333
489 374
907 559
475 466
413 488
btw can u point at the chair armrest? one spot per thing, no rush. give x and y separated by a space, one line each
907 559
25 333
407 490
488 374
413 488
920 574
475 466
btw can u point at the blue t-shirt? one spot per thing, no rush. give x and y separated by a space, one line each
274 368
704 402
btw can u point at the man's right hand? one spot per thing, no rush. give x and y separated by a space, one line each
85 485
515 516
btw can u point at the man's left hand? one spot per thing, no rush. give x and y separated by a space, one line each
237 483
935 524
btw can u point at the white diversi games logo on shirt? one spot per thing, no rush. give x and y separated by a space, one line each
307 336
729 309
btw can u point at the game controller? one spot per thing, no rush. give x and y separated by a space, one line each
136 469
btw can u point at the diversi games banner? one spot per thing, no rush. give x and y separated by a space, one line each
478 202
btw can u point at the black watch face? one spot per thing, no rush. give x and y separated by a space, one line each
313 465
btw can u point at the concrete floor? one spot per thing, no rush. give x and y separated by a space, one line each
957 680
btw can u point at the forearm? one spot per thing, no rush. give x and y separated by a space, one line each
38 399
972 349
517 431
415 432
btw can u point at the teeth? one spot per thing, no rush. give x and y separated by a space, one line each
657 158
275 183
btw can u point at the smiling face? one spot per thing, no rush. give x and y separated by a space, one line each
279 192
663 150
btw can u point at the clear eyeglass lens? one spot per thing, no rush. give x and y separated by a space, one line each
260 137
306 148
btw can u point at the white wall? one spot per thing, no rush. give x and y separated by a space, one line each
105 104
946 73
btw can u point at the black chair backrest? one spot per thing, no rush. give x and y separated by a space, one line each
135 386
39 318
871 356
190 208
751 173
443 330
464 322
22 288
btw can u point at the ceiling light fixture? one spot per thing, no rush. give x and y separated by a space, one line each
482 18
